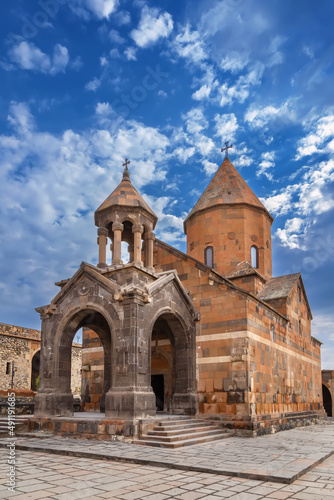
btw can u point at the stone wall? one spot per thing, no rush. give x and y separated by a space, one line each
20 344
255 369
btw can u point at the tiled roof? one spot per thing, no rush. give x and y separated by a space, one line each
279 287
227 187
125 195
241 269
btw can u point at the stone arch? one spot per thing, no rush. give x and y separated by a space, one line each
327 400
54 396
35 366
181 333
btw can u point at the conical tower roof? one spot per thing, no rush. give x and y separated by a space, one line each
125 195
227 188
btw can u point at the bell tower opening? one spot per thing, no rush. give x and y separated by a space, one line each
126 219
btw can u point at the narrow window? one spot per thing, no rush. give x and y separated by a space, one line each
8 368
208 254
300 327
254 257
299 293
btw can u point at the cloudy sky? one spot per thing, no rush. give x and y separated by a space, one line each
86 83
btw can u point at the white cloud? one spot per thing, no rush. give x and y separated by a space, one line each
50 185
93 84
115 37
202 93
234 61
280 203
184 154
99 8
122 17
241 90
260 116
152 26
130 53
191 139
195 121
26 55
209 167
189 45
266 164
169 227
60 59
318 139
20 118
103 108
293 234
226 126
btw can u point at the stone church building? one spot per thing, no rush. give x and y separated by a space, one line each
209 332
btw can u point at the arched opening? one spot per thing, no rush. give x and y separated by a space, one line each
127 242
254 257
172 363
162 365
327 400
96 358
208 256
35 364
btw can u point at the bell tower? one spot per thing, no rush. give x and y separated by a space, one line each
125 216
229 225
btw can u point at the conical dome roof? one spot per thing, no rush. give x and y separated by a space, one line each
124 195
227 188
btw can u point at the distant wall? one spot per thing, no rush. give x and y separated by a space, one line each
20 344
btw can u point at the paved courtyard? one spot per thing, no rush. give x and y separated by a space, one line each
70 469
42 475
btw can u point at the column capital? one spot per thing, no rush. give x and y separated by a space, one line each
137 228
149 235
102 231
117 226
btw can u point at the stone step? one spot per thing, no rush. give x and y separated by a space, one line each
183 436
186 425
161 431
185 442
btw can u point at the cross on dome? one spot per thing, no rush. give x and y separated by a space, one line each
226 148
125 164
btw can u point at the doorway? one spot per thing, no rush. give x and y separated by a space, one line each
158 386
327 400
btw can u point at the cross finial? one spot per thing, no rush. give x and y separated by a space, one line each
125 164
226 148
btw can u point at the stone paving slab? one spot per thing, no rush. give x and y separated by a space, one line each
281 457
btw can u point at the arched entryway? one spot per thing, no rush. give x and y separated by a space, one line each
327 400
93 386
56 361
35 364
172 365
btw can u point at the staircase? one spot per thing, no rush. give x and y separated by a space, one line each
21 424
177 431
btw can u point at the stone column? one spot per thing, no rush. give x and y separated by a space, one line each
130 249
117 229
102 242
149 239
137 230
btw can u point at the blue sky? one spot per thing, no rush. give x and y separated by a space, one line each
86 83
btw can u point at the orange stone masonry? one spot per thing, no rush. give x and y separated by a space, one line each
230 218
208 332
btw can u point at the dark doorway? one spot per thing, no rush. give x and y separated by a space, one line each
35 371
158 386
327 399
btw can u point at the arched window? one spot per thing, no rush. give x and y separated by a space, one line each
254 257
208 256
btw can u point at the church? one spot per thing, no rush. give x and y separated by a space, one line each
207 333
